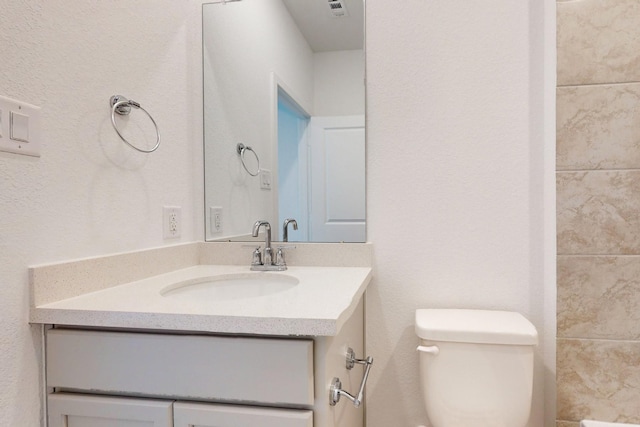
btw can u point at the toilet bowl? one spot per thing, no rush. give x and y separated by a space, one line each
476 367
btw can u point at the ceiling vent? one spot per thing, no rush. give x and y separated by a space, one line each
338 8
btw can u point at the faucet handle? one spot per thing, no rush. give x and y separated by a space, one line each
280 255
256 257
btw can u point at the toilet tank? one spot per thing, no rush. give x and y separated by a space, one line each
476 367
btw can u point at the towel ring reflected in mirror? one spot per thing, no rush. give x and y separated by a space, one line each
242 149
122 106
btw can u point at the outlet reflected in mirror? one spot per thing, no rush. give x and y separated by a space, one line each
285 78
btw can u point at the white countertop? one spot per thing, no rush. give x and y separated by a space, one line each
318 306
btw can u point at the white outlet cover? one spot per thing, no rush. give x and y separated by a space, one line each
171 222
216 220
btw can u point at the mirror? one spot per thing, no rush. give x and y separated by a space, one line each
284 118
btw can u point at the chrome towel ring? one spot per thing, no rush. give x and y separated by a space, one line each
241 149
121 105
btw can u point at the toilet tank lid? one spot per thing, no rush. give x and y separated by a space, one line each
475 326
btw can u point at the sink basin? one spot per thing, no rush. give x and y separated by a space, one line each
230 287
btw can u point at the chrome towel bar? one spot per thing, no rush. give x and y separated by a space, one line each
336 385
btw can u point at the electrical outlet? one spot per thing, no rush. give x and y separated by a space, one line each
172 222
215 216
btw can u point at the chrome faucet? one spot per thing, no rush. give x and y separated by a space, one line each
285 228
265 261
267 258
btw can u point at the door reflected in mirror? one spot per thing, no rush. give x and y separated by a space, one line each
286 79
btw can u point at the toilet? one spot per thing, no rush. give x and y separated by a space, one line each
476 367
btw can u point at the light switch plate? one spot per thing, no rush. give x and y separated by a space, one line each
24 138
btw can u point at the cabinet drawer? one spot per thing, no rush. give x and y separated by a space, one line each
209 415
261 370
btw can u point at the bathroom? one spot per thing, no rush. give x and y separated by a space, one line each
461 173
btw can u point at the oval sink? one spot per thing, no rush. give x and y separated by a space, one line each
230 287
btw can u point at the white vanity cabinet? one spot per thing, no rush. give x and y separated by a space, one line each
122 378
275 372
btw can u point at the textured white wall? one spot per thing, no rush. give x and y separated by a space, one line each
338 83
89 194
456 174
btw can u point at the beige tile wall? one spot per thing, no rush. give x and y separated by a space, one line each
599 296
598 211
598 41
598 126
598 379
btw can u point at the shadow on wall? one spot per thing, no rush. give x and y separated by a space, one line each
386 379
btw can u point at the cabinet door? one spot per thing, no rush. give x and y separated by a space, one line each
211 415
77 410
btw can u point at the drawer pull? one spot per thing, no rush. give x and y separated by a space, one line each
336 385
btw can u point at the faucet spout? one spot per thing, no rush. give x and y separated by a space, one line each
267 242
285 228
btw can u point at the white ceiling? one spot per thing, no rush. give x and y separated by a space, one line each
323 31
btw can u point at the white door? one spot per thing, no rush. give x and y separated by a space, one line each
213 415
77 410
337 181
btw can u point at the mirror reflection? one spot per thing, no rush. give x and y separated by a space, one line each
284 118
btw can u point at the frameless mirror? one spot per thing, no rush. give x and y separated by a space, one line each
284 118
